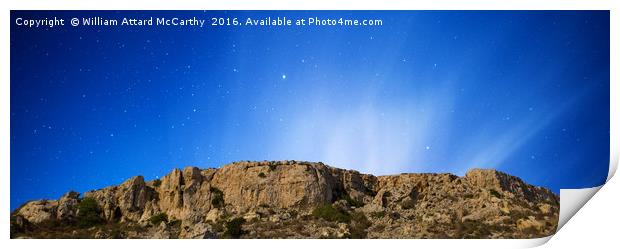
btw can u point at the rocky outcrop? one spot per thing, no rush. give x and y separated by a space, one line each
126 202
281 198
493 179
38 211
67 205
280 185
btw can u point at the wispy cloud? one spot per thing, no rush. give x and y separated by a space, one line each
371 137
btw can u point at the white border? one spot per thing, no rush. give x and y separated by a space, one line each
288 5
614 92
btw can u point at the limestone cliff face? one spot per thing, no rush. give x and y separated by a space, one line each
280 195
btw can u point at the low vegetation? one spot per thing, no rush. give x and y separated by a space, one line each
88 213
378 215
359 225
330 213
273 167
156 183
352 202
159 218
217 199
407 203
494 192
234 228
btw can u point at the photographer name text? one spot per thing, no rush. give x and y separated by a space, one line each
193 22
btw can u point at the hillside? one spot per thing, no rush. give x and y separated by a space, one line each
292 199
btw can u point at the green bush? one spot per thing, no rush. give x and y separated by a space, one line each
218 197
159 218
261 175
234 228
88 213
330 213
156 183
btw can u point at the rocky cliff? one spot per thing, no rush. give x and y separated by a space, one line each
291 199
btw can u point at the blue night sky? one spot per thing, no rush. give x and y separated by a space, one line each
428 91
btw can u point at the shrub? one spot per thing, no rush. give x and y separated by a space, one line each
352 202
272 166
156 183
234 228
394 216
218 227
472 230
407 203
378 215
495 193
261 175
343 195
359 224
116 232
217 199
329 213
159 218
88 213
